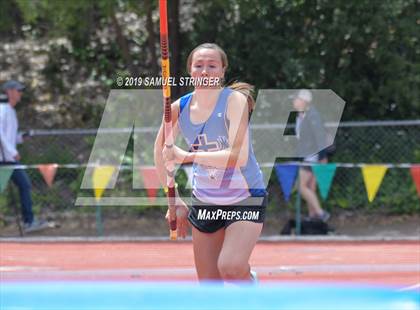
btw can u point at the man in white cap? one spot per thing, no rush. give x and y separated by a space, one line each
9 155
311 135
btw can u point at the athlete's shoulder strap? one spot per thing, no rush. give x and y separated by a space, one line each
183 102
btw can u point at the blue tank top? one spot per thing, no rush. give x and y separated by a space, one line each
210 184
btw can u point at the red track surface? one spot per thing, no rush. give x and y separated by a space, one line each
384 263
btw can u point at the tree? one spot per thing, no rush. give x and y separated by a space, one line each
366 51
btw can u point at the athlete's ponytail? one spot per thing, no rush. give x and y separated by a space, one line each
247 90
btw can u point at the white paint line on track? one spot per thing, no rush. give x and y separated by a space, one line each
25 268
16 272
274 239
410 288
344 268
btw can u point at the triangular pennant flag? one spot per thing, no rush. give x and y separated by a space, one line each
48 172
324 174
100 179
372 176
5 174
286 174
189 172
415 173
151 181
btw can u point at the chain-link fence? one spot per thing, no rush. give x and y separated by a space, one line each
391 142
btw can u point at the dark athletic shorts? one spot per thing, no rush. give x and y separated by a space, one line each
209 218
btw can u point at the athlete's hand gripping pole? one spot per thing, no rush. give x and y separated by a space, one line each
169 140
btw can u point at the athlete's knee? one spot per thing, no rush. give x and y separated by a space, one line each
231 269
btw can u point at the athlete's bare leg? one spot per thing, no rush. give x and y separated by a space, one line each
207 248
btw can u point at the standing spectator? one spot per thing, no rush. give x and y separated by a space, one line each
9 155
311 134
